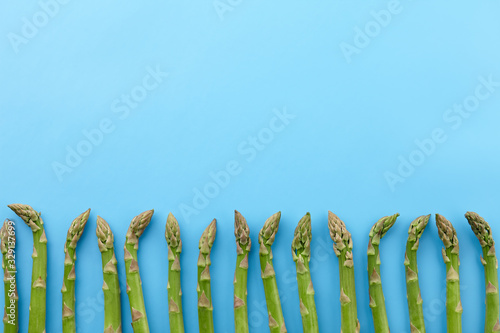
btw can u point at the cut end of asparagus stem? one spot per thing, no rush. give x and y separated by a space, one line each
138 225
381 227
269 230
76 229
6 238
104 235
29 216
417 227
241 231
301 244
446 232
208 237
481 229
339 234
173 232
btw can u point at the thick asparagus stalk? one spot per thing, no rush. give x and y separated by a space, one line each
377 300
243 245
266 239
134 284
39 273
489 259
301 253
343 249
7 246
111 285
174 242
68 289
415 308
450 255
205 306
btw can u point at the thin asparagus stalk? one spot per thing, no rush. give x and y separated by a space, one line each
415 308
266 239
301 253
243 245
450 255
7 246
111 285
134 283
68 289
173 236
377 300
39 272
482 230
205 306
343 249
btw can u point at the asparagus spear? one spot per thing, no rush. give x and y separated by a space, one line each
243 245
377 301
482 230
450 255
68 289
415 308
205 306
173 236
7 246
39 273
301 253
111 285
266 239
343 249
134 284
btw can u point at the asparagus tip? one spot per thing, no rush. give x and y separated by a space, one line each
417 227
138 225
270 228
105 237
301 243
208 237
446 231
172 231
481 229
75 231
339 233
241 229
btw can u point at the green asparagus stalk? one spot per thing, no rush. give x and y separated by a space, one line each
68 289
482 230
343 249
415 308
39 272
450 255
205 306
7 246
301 253
266 239
377 301
243 245
174 242
134 283
111 285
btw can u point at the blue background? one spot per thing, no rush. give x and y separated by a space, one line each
355 119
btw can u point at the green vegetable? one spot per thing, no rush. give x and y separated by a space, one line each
173 236
68 289
111 285
343 249
415 308
134 284
205 306
482 230
39 272
266 239
450 255
7 246
243 245
377 300
301 253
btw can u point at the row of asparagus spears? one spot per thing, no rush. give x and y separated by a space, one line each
301 252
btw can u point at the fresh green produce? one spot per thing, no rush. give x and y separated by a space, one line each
111 285
68 289
482 230
174 242
134 284
266 239
450 255
7 246
377 300
243 245
205 306
343 249
301 253
415 308
39 272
